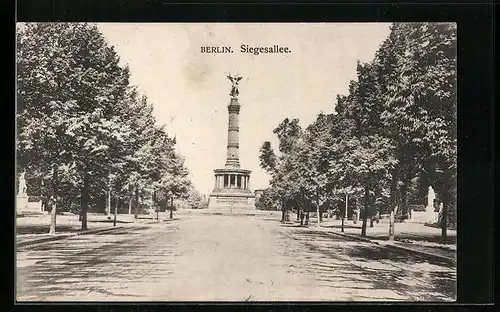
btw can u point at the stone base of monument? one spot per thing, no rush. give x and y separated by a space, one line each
231 202
25 207
427 216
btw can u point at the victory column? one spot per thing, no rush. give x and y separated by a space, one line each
232 193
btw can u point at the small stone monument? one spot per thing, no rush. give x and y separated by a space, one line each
429 215
22 199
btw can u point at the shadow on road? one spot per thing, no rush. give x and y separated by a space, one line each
68 268
400 236
399 270
346 226
109 221
43 229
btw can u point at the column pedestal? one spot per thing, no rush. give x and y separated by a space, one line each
231 197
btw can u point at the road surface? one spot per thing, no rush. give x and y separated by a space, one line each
226 258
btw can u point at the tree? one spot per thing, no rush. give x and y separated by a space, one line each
267 157
283 176
422 101
313 163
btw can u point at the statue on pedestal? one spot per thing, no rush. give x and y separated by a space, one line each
431 215
430 200
234 88
22 185
22 197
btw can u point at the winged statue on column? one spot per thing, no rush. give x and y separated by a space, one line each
234 88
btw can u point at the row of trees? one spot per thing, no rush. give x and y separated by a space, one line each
396 127
84 132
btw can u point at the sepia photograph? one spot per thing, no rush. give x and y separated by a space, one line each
236 162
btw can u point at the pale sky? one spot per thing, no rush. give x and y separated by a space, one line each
190 92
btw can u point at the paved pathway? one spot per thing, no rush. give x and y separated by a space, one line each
225 258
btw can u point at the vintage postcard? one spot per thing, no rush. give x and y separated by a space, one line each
164 162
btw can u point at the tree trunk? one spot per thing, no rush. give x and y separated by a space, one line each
84 220
371 221
130 205
318 214
283 213
355 212
363 225
365 213
108 205
404 201
393 202
116 212
444 218
53 218
136 208
53 211
298 214
108 199
172 207
391 226
85 200
344 217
